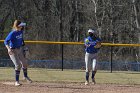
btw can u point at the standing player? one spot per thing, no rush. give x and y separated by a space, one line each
13 43
92 44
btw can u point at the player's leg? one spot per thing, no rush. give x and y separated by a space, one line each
24 63
15 59
87 59
94 69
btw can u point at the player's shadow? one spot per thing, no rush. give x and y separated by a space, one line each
69 87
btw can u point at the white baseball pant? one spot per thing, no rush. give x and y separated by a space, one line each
90 61
18 59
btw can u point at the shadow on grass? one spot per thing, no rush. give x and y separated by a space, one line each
125 72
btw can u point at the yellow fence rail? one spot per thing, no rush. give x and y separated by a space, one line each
76 43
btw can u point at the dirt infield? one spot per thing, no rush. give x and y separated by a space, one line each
40 87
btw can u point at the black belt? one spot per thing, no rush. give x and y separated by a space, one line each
15 48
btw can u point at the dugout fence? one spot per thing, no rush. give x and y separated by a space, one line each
70 55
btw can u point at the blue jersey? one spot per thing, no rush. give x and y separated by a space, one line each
91 42
14 39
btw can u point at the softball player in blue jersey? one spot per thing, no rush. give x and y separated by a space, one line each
13 43
92 46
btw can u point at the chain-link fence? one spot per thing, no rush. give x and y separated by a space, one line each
71 56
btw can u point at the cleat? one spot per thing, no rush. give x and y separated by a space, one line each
87 83
17 83
27 79
93 81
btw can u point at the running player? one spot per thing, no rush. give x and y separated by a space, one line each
13 43
92 44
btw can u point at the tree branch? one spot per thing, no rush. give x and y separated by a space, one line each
136 14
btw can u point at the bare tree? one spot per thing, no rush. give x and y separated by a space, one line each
136 14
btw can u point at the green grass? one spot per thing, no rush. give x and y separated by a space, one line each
54 75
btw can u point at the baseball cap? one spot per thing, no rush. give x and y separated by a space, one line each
22 24
91 30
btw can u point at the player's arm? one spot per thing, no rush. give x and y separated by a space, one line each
87 43
6 42
98 43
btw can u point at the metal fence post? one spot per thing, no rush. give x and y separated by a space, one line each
111 59
62 56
